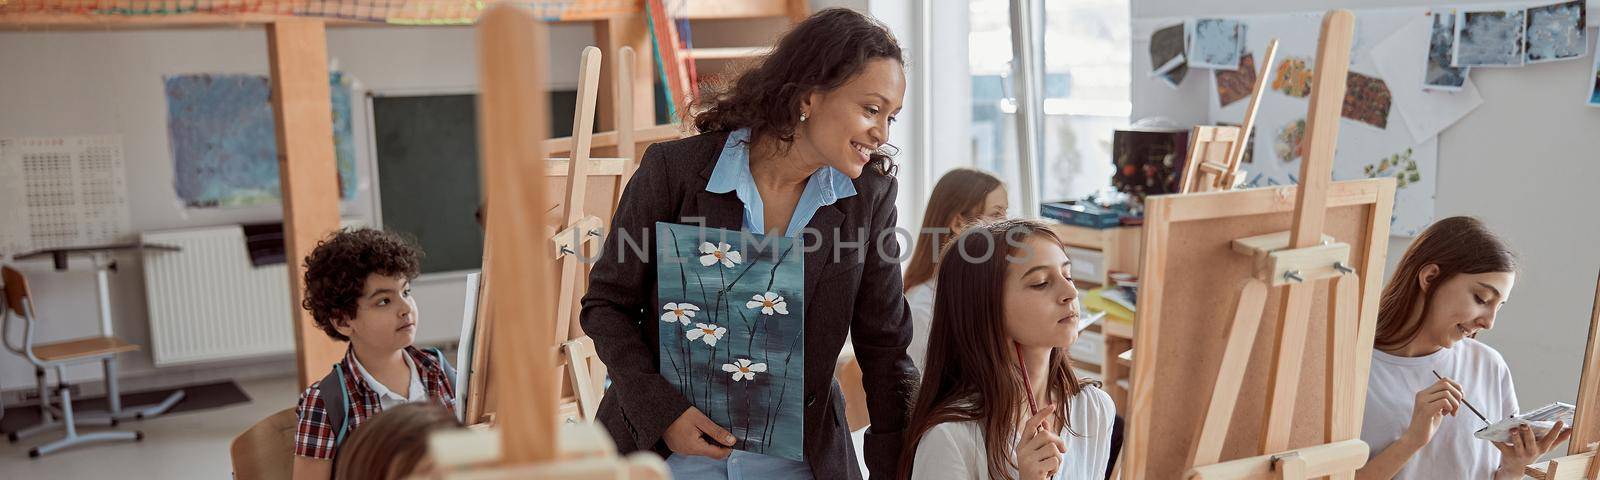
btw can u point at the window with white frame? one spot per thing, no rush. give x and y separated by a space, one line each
1085 88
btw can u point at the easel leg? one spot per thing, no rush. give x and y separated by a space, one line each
1230 375
1343 325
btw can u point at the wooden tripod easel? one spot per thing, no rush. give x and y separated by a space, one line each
583 382
1334 230
512 44
1216 151
1585 442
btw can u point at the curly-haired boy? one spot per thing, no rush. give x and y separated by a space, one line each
358 289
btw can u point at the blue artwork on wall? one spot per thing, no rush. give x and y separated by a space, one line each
224 145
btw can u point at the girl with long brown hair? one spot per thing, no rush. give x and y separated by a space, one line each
999 399
1426 363
962 196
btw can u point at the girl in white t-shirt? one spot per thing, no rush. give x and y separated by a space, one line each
1005 301
1449 286
962 196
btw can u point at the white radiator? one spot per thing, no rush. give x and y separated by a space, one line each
208 302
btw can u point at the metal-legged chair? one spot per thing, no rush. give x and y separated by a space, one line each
57 355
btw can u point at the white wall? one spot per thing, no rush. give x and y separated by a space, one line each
71 83
1523 162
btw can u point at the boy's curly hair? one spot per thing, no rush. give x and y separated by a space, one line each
336 271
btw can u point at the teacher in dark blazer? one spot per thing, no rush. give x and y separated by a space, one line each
792 147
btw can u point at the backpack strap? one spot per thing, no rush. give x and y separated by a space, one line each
337 407
449 371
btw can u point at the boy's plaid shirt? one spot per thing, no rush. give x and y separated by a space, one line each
314 435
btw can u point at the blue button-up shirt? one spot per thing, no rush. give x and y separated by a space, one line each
732 174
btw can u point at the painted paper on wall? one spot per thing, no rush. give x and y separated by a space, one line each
1236 85
1439 74
1490 38
1594 79
1366 100
1293 77
1166 55
1556 32
732 331
224 144
1216 43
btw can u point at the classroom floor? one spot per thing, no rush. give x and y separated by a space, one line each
190 445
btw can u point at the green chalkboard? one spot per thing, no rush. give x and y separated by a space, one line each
427 162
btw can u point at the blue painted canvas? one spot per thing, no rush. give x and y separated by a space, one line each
733 331
224 144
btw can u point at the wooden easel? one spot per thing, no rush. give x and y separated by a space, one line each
1336 232
1585 441
1215 152
511 45
583 383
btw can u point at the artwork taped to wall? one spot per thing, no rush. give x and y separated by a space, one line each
1491 38
1594 79
1166 55
62 192
1236 85
1216 43
1367 100
1425 110
1439 74
1361 143
732 331
224 147
1556 32
1292 77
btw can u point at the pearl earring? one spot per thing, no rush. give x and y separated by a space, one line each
802 117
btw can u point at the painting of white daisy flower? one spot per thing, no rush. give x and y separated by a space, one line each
732 331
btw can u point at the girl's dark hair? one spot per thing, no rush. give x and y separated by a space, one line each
393 443
820 54
958 199
1458 246
970 376
336 272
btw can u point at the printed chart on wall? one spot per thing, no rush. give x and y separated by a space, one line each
224 144
1374 138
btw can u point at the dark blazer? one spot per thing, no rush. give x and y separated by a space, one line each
843 294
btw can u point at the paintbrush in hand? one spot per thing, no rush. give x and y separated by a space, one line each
1464 401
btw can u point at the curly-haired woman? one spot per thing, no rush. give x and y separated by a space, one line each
795 145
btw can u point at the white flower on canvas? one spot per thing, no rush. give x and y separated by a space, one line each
768 303
719 253
707 333
742 369
679 312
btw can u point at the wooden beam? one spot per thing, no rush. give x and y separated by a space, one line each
654 134
726 10
611 34
1315 462
447 15
512 49
307 170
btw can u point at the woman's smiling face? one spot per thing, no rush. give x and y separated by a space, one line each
1463 305
844 126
